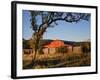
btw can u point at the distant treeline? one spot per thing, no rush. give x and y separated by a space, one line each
28 44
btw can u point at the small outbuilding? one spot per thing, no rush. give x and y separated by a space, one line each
52 47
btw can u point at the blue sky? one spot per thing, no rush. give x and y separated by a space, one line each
64 31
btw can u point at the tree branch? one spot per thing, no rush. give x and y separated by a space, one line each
64 19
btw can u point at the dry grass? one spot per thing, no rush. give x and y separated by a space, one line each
58 60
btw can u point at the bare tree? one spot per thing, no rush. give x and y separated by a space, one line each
41 20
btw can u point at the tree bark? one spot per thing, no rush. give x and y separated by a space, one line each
37 37
33 58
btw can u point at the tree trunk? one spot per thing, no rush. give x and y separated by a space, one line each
34 57
36 38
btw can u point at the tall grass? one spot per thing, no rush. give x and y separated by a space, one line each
58 60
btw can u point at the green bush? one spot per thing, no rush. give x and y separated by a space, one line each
61 49
86 47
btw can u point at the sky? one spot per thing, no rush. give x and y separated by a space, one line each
63 31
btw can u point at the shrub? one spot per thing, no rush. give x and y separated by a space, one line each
86 47
61 49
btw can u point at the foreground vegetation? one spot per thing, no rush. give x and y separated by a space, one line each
57 60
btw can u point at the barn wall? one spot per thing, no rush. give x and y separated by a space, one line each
77 49
45 50
69 49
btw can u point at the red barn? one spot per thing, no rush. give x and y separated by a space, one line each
51 48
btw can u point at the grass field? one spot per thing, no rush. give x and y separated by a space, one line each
57 60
